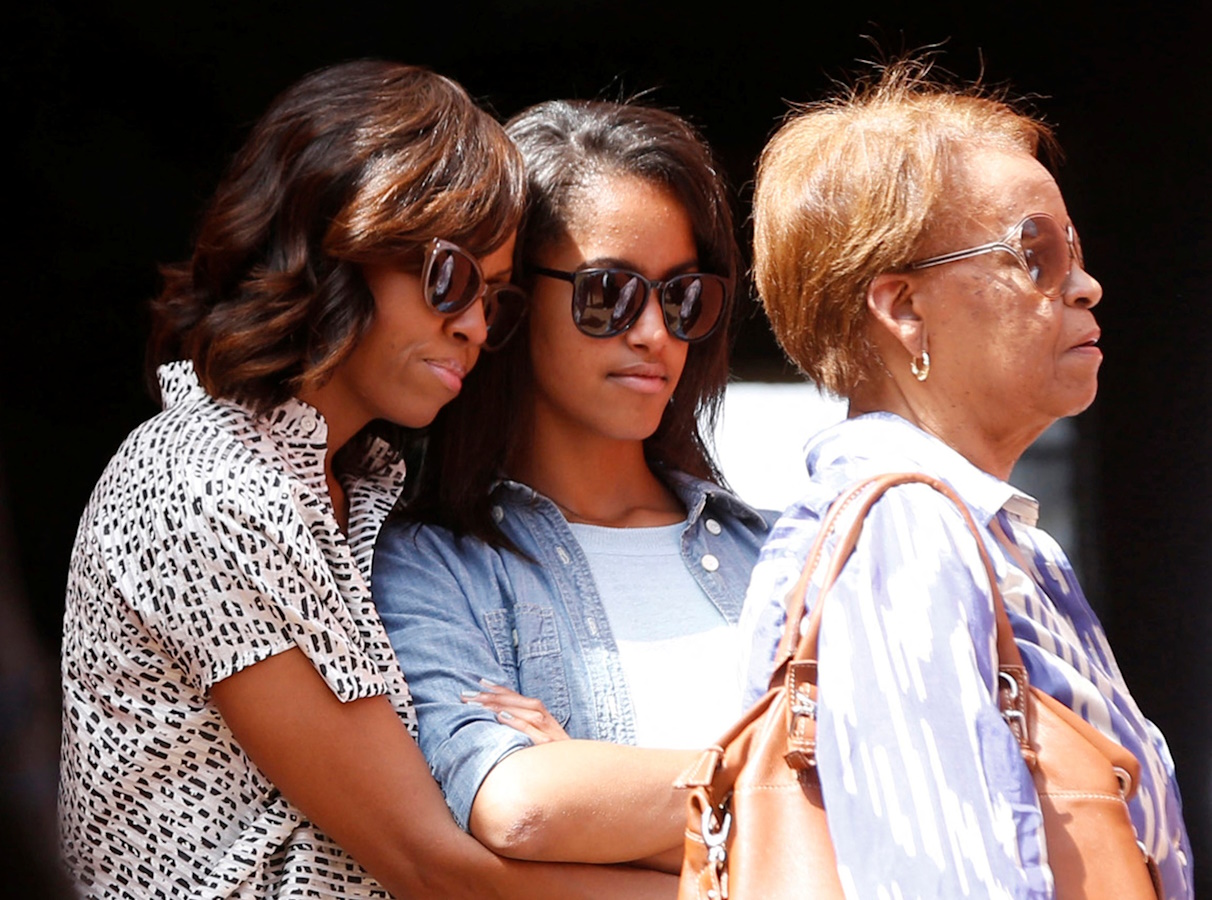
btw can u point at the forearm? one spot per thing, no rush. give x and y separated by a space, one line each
353 770
454 865
583 801
509 879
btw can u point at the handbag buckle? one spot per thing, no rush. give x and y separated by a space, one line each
1012 706
714 837
717 853
803 705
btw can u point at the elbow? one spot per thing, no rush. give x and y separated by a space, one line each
511 820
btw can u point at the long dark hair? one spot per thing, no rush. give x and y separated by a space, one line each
566 145
357 163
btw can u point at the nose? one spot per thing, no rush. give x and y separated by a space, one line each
470 324
649 329
1082 289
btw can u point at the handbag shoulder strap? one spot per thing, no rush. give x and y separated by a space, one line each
800 638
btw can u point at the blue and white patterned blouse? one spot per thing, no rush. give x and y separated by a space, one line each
928 796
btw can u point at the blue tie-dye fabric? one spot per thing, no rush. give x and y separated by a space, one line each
927 794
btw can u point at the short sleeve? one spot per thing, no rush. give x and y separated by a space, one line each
231 577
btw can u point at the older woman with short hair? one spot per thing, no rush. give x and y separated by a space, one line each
916 258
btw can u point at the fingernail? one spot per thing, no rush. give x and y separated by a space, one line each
469 693
487 683
504 714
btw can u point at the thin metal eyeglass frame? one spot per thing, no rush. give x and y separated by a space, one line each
1075 252
650 286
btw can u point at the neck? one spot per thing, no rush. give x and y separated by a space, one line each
991 448
597 481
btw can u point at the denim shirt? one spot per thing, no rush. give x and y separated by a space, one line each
458 610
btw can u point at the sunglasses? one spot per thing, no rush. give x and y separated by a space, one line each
606 302
1042 246
452 280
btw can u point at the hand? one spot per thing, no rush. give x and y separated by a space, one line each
527 714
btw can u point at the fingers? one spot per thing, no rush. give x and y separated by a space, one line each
525 714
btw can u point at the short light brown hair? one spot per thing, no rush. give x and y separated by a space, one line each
358 163
845 191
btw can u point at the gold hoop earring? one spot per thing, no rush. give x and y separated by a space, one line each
920 370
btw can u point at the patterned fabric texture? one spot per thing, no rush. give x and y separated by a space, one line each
927 793
208 545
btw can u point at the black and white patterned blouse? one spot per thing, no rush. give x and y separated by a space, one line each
208 545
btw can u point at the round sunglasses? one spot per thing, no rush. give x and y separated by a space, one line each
452 280
1042 246
606 302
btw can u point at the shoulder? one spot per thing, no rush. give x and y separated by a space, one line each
190 440
403 536
412 557
185 476
910 525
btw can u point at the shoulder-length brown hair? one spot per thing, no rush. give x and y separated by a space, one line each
566 145
360 162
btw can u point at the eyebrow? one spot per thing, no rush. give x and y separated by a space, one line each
614 262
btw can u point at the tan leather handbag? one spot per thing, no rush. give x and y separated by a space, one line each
756 826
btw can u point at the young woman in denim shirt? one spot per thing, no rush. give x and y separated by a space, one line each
559 494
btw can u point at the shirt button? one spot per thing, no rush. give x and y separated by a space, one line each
709 562
497 514
592 625
563 555
515 637
307 424
713 526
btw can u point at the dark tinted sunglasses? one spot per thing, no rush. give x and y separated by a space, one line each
452 280
1042 246
606 302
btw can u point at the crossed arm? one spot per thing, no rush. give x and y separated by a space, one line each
620 797
354 770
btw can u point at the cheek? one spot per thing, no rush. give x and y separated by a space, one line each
676 356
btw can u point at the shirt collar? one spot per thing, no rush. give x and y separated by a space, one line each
881 442
695 494
296 429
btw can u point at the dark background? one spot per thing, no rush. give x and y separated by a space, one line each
120 117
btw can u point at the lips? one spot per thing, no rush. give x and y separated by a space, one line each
641 370
643 377
1089 340
450 372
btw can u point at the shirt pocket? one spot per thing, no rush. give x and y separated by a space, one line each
528 641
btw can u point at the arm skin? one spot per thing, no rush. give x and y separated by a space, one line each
375 797
620 799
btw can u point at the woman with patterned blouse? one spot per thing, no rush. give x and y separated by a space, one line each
915 257
235 721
